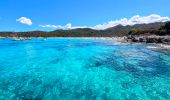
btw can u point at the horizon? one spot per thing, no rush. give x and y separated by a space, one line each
52 15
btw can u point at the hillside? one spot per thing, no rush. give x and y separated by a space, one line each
118 30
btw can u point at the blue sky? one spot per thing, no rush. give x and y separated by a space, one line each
54 14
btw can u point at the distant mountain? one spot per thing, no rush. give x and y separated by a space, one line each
118 30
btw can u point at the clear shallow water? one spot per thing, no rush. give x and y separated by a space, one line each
82 69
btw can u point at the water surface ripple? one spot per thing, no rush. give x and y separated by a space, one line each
82 69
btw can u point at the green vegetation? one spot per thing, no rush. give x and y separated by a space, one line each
164 30
134 32
167 26
139 29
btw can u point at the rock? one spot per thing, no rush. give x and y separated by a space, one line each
141 40
151 40
134 39
159 40
166 40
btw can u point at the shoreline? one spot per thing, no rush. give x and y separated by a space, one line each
115 40
104 38
119 40
159 46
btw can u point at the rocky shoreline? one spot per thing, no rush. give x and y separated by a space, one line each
159 42
149 39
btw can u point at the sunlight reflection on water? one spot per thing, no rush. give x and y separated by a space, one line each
82 69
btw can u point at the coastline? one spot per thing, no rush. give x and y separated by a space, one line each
119 40
160 47
104 38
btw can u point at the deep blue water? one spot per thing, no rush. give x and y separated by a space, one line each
82 69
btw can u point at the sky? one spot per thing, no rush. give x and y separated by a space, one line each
29 15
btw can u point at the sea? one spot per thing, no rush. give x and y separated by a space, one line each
82 69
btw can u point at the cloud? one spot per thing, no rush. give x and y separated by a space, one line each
24 20
67 26
131 21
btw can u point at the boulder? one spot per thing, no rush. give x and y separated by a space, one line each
135 40
166 40
151 40
142 39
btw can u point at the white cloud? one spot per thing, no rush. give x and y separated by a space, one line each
67 26
24 20
131 21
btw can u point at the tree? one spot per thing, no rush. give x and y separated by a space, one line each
167 27
134 32
161 32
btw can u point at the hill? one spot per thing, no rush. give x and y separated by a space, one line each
118 30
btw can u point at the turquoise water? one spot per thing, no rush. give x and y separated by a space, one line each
82 69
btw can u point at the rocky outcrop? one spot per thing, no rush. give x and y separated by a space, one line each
165 40
149 39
